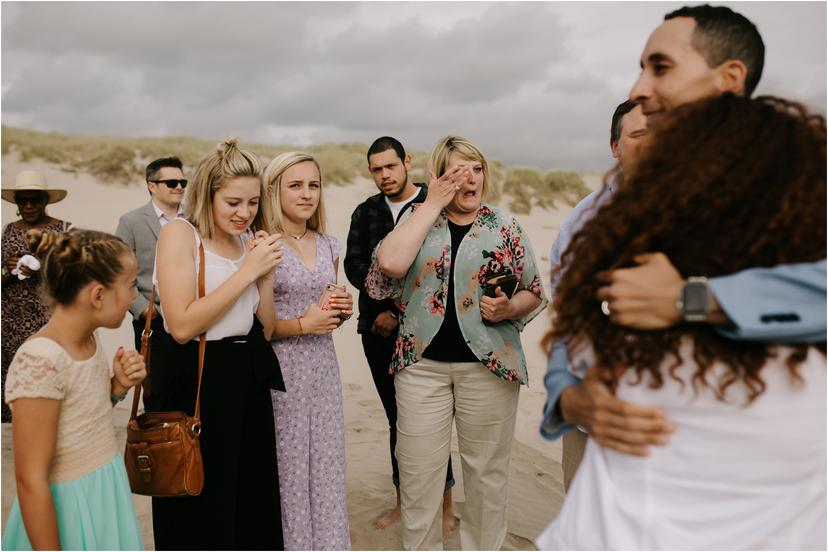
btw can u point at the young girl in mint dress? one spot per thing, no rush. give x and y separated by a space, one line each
72 487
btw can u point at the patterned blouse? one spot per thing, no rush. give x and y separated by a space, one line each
494 245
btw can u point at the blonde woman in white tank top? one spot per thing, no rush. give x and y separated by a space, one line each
235 320
241 493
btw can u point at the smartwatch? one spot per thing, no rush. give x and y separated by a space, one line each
694 302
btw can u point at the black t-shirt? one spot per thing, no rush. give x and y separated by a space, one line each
449 345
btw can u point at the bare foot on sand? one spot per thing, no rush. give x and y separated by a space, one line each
389 518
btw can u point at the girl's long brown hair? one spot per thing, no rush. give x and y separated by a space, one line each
723 185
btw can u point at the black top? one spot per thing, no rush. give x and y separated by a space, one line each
370 223
449 345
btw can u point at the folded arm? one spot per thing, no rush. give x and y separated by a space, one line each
396 253
185 315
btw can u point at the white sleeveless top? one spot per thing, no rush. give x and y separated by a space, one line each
238 319
732 476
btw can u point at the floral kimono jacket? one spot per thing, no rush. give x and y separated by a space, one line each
495 244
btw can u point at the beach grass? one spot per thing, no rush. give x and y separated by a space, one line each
120 160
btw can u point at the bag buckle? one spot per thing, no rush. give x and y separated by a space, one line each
144 463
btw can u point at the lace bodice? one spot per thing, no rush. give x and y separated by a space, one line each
86 438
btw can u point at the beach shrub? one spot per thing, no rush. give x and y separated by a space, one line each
115 163
530 187
121 160
568 185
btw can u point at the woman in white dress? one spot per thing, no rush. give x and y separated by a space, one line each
723 185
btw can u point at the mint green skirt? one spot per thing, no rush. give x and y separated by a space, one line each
94 512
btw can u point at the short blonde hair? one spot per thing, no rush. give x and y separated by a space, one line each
226 162
272 177
456 144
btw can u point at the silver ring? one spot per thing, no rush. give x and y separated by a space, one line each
605 307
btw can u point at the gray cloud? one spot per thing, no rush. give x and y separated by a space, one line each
533 83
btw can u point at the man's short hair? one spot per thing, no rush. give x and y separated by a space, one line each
615 128
722 34
158 164
384 144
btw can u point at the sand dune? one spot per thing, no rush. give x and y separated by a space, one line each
535 491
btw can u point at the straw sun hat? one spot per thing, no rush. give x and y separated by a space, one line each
29 180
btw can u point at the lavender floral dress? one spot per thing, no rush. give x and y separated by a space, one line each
310 433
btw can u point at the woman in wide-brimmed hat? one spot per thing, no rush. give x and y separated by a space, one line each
24 311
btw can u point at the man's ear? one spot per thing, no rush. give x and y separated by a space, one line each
150 188
615 149
407 161
731 77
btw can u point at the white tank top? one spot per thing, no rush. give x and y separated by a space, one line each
238 319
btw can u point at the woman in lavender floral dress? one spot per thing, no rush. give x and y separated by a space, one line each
310 439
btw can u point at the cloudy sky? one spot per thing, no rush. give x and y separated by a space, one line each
532 83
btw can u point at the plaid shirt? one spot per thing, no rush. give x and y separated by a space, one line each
370 223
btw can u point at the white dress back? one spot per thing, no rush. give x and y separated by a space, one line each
732 476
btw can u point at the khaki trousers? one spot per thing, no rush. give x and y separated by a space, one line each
574 444
429 395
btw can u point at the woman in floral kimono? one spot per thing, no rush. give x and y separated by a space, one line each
458 354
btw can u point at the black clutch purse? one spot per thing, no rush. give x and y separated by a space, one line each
507 283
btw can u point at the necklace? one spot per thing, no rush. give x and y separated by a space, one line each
299 237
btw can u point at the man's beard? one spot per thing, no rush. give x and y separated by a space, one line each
401 190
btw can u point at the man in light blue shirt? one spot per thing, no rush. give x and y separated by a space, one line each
627 128
697 52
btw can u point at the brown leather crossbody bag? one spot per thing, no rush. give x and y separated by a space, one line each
163 454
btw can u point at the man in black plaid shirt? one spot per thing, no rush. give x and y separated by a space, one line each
371 221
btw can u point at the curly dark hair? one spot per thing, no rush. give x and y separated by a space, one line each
724 184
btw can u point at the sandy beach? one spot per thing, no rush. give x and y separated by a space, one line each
535 488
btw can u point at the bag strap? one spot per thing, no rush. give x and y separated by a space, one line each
202 342
147 333
145 353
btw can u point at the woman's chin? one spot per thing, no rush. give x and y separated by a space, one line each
471 205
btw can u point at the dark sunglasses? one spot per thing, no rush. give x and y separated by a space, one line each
33 200
172 182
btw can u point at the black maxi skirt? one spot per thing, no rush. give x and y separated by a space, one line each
239 507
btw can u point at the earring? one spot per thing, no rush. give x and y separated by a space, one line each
18 212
